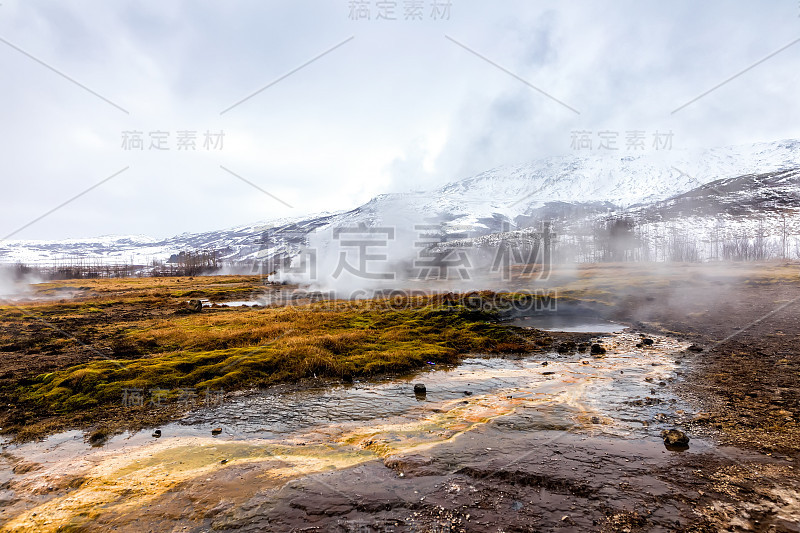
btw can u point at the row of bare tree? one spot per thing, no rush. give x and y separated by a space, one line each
622 240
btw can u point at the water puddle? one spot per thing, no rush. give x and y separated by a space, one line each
567 323
242 303
278 297
278 436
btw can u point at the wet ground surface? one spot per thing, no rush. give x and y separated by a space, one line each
565 441
496 478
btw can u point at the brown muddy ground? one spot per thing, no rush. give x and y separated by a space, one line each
548 481
747 378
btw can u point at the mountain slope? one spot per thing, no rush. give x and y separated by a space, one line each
575 187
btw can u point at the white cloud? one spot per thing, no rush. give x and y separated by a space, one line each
398 107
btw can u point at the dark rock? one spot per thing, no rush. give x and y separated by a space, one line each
467 393
567 347
195 306
157 433
647 342
675 438
695 348
216 431
598 350
420 392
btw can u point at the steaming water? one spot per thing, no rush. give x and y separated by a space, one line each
13 290
568 323
293 434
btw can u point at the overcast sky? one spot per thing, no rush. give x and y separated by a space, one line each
387 106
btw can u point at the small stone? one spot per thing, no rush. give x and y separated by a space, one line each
597 350
157 433
675 438
216 431
223 461
647 342
419 388
695 348
467 393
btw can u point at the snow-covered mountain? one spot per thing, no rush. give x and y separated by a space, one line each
575 187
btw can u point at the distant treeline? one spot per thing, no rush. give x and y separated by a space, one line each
180 264
622 240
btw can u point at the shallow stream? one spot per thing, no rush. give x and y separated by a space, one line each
285 435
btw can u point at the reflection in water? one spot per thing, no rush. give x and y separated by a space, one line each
287 435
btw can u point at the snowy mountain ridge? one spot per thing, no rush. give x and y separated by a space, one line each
507 196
